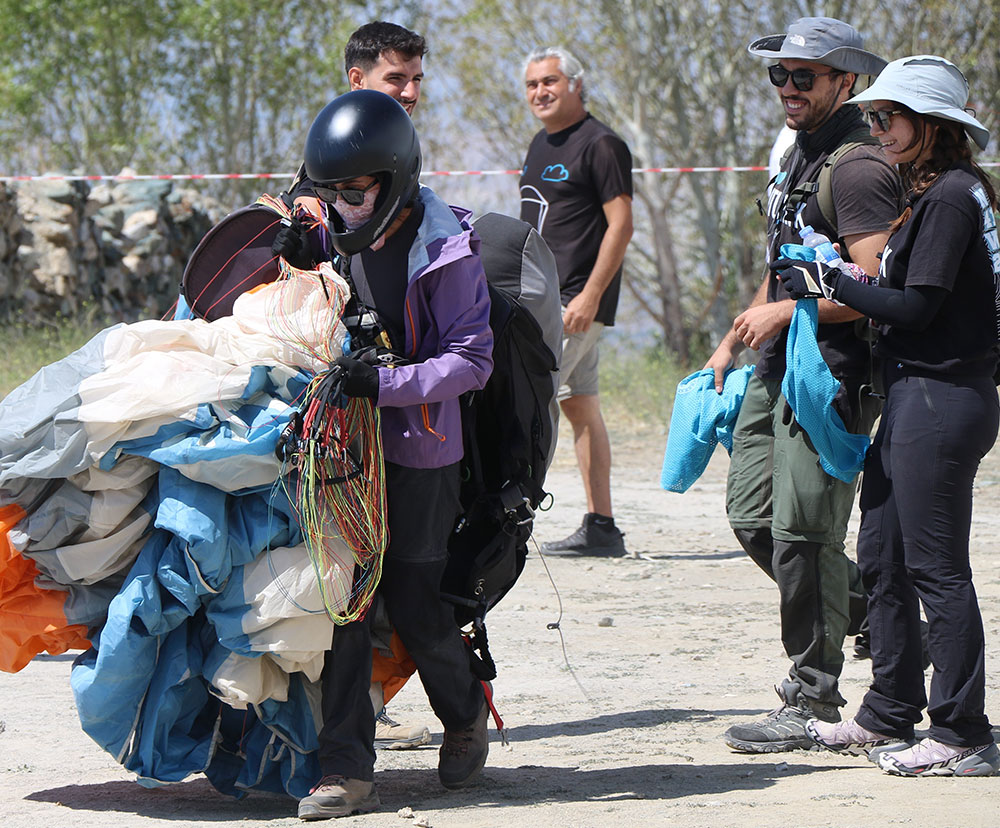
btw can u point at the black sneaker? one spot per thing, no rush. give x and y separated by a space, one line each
782 729
464 752
597 537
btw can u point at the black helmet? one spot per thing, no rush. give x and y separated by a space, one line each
364 133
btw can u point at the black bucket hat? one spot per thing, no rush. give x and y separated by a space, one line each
823 40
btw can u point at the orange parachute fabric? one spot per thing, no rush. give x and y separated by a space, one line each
31 619
392 671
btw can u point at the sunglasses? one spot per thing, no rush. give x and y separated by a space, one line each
883 116
802 79
353 197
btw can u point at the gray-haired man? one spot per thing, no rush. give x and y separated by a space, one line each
576 190
787 513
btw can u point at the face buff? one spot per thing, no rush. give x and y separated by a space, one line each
356 215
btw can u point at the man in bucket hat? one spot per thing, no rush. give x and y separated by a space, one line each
787 513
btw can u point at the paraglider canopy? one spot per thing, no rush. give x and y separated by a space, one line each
233 257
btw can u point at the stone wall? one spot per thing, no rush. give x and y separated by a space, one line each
115 248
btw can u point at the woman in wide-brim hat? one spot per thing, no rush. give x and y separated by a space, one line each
936 305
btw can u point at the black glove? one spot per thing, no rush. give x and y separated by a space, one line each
292 244
359 378
804 280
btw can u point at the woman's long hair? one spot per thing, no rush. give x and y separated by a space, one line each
951 145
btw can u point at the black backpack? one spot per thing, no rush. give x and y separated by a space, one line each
508 428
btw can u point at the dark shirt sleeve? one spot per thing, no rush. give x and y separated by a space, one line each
912 308
610 168
867 192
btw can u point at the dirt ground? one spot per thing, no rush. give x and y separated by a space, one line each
615 718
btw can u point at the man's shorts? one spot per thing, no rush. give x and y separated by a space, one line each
578 372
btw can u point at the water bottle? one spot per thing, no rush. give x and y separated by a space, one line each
825 251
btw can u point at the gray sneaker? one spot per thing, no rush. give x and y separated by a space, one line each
337 796
391 735
849 737
596 538
784 728
929 757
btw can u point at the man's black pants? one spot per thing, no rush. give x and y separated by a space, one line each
422 508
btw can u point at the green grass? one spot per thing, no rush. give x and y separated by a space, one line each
28 348
637 387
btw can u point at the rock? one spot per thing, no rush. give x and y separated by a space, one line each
63 192
111 217
123 244
141 223
141 192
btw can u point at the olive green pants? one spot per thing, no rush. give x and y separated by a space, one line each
791 518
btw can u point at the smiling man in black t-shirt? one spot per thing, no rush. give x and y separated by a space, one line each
576 189
787 512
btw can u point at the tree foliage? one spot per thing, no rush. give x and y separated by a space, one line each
676 81
169 85
232 85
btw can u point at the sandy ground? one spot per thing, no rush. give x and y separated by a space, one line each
615 719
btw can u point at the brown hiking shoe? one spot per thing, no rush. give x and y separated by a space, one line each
391 735
338 796
464 752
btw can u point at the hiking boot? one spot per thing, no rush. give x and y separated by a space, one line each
597 537
338 796
848 737
782 729
391 735
464 752
929 757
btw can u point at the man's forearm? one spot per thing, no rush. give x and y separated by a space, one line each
610 256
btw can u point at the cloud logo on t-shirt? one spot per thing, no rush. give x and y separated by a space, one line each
555 172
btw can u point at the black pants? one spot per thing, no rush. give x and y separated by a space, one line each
422 507
916 503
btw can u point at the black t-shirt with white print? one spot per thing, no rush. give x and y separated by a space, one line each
567 178
950 242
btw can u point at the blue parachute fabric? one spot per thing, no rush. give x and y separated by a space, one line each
144 692
810 389
145 463
701 419
281 748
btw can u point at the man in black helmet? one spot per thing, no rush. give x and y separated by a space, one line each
787 513
388 58
415 263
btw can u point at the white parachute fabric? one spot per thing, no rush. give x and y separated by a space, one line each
145 464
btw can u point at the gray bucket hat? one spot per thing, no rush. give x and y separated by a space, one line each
929 85
824 40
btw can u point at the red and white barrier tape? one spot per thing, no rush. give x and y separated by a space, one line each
8 179
246 176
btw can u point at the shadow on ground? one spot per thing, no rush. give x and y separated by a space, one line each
419 789
631 719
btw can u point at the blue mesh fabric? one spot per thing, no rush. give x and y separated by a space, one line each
701 419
